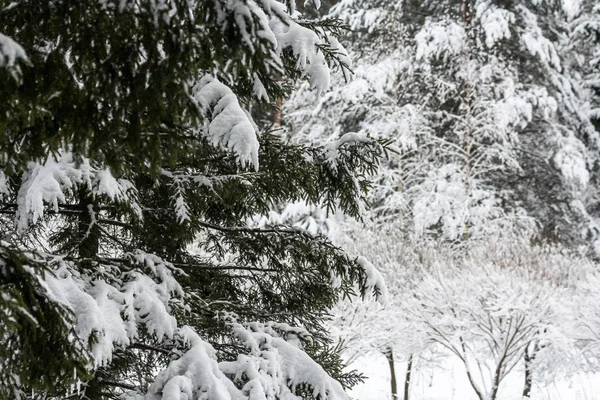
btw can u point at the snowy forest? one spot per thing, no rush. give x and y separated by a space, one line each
300 200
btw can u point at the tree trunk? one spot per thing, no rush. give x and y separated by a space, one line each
467 15
277 115
478 391
496 382
408 376
528 373
87 230
394 384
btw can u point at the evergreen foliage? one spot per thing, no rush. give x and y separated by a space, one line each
130 170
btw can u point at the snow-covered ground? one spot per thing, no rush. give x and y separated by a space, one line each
450 383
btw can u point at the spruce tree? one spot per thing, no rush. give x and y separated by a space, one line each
130 169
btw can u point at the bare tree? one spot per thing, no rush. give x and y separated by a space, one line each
485 313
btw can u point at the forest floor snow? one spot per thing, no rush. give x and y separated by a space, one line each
449 382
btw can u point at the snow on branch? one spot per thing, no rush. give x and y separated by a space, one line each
228 125
486 312
44 184
244 13
283 363
274 366
374 279
10 53
332 149
110 309
572 163
195 374
306 45
495 21
536 43
52 182
276 24
441 39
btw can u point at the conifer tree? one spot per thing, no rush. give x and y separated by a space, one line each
130 169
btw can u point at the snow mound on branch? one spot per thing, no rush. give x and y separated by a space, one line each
297 368
304 44
332 149
571 161
514 110
94 310
228 125
571 7
274 367
110 309
44 184
375 280
495 21
536 43
441 39
258 89
243 12
195 375
10 52
52 182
